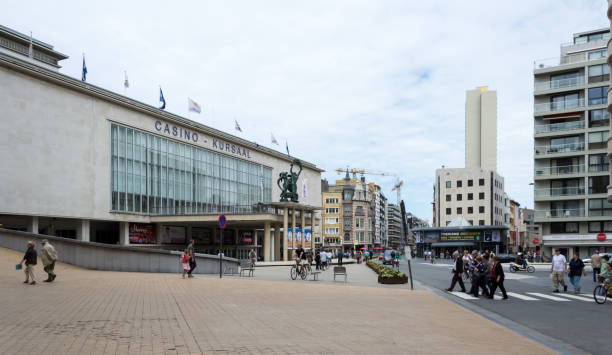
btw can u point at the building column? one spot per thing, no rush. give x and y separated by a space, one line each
285 228
293 230
236 243
277 242
266 241
83 231
255 239
312 227
158 233
124 233
33 224
189 232
303 227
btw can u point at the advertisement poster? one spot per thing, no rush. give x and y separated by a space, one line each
173 235
289 235
201 236
307 235
298 235
460 236
141 233
246 237
496 237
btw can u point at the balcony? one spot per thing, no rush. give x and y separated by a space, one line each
558 105
564 60
559 148
599 168
559 213
559 127
559 191
558 84
559 170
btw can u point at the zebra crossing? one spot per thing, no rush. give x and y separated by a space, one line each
529 296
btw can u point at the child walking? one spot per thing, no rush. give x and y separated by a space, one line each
185 262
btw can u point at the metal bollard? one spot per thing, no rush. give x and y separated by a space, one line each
410 273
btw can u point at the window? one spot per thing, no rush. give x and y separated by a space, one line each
600 207
597 140
332 220
599 95
561 227
595 227
347 222
598 73
459 197
448 197
459 183
470 182
598 162
481 209
348 209
359 223
599 117
599 184
331 210
459 210
448 211
481 222
564 80
331 200
470 210
564 144
448 184
471 222
481 182
607 226
481 195
600 54
332 230
470 196
561 102
592 37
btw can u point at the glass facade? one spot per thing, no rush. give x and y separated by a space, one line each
159 176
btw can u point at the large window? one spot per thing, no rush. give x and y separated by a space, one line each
332 220
564 80
560 227
598 140
154 175
599 117
598 95
599 73
592 37
561 102
600 207
600 54
332 210
598 162
331 200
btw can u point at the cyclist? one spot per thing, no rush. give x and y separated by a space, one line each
300 258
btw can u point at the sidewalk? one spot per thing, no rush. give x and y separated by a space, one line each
100 312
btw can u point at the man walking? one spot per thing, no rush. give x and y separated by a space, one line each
596 264
340 255
252 257
192 261
558 270
48 256
457 272
30 260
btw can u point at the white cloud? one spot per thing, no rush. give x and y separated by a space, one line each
372 84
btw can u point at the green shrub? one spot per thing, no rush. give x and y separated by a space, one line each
383 271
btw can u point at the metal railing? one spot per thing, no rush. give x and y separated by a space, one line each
558 127
559 148
559 191
558 83
208 209
599 168
564 60
560 213
559 170
558 105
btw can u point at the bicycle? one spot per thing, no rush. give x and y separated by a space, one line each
601 292
294 272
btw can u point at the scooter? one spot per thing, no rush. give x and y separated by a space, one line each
514 267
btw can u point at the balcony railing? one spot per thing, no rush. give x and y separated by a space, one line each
559 191
559 148
564 60
560 213
558 83
599 168
558 105
214 209
558 127
559 170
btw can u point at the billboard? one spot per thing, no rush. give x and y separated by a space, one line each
141 233
472 236
298 235
173 235
289 235
307 235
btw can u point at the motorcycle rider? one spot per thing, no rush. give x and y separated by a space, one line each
521 261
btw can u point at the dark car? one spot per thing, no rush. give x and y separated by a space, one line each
506 258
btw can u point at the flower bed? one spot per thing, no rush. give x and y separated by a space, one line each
387 275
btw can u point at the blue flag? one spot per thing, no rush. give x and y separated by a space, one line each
84 74
162 100
287 147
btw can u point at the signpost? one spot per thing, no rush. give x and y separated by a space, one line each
222 225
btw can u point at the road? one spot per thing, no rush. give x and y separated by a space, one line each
566 322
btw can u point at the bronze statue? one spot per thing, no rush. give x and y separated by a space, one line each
289 191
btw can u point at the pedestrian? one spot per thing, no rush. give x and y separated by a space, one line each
576 269
192 261
432 257
252 257
358 256
488 266
318 260
48 256
185 261
446 254
457 271
30 259
558 270
340 255
596 264
497 278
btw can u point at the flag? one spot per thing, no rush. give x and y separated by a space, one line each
237 126
31 47
274 141
161 99
287 147
84 74
126 83
193 106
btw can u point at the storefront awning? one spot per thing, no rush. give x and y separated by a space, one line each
451 244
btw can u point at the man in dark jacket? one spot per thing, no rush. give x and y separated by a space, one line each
30 260
497 278
457 272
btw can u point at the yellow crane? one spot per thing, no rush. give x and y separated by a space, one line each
362 172
398 188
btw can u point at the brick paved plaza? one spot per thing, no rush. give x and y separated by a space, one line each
96 312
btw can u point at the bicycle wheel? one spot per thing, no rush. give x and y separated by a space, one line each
293 273
600 294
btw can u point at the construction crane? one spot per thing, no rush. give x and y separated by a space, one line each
362 172
398 187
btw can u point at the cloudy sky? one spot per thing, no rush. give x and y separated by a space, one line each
369 84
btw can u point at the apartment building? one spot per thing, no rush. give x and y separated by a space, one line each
379 216
571 129
395 227
331 219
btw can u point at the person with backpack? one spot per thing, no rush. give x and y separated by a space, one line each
185 261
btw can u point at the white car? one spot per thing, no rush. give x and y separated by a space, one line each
588 260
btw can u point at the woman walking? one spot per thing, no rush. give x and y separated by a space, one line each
497 278
576 269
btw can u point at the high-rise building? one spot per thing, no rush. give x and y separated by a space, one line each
395 228
481 129
609 108
571 129
379 216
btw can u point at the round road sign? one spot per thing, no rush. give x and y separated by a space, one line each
601 237
222 221
536 241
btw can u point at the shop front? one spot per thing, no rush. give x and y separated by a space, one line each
443 239
583 244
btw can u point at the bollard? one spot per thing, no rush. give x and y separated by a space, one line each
410 273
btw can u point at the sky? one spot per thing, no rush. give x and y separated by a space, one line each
377 85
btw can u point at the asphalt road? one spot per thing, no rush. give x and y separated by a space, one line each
567 323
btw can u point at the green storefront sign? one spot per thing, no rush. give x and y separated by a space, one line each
472 236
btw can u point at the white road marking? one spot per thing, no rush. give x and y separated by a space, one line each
576 297
521 297
518 277
553 298
463 295
441 265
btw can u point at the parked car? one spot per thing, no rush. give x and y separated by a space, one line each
588 260
506 258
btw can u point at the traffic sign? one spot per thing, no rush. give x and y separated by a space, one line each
222 221
601 237
536 241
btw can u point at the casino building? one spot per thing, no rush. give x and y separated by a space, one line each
82 162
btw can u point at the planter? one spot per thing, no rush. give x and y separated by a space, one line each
392 280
